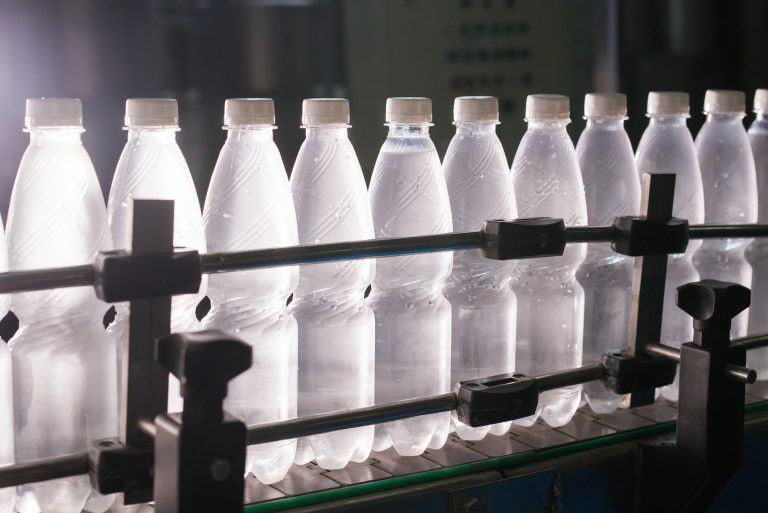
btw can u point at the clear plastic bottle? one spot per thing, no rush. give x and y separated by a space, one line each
64 371
483 306
550 302
667 147
336 326
153 167
413 319
730 191
757 252
612 188
7 499
249 206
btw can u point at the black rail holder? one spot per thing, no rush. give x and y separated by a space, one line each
523 238
494 399
648 283
643 236
623 374
124 464
200 453
688 475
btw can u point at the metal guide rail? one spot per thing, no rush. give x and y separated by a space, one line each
144 461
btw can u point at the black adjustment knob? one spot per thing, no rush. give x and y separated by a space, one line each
713 303
204 362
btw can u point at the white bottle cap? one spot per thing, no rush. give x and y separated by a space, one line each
151 112
249 111
605 105
48 112
475 108
724 102
760 105
325 111
408 110
668 104
547 107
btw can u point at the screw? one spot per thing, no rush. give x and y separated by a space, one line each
469 504
220 469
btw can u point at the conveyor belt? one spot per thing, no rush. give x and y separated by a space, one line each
309 484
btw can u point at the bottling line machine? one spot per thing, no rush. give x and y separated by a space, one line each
702 454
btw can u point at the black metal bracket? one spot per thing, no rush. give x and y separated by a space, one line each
486 401
523 238
123 276
688 475
200 453
642 236
624 374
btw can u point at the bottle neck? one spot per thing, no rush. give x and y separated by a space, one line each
606 123
733 117
408 129
680 120
153 134
250 133
476 128
547 124
67 135
326 131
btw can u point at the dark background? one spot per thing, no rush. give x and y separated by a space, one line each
204 51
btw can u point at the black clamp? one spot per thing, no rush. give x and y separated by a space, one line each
624 374
523 238
687 476
122 276
495 399
639 236
200 453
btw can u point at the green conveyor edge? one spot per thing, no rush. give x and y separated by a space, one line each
511 460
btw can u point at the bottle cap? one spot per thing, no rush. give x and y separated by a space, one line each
761 101
668 104
249 111
475 108
547 107
151 112
325 111
49 112
605 105
724 102
408 110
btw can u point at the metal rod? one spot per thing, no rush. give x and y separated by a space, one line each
715 231
735 372
742 374
81 275
589 233
274 257
752 341
566 378
41 279
316 424
664 351
44 470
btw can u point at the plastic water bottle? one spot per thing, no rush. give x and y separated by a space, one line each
612 188
730 191
413 319
64 371
483 306
757 252
667 147
249 206
336 327
6 392
550 302
152 167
